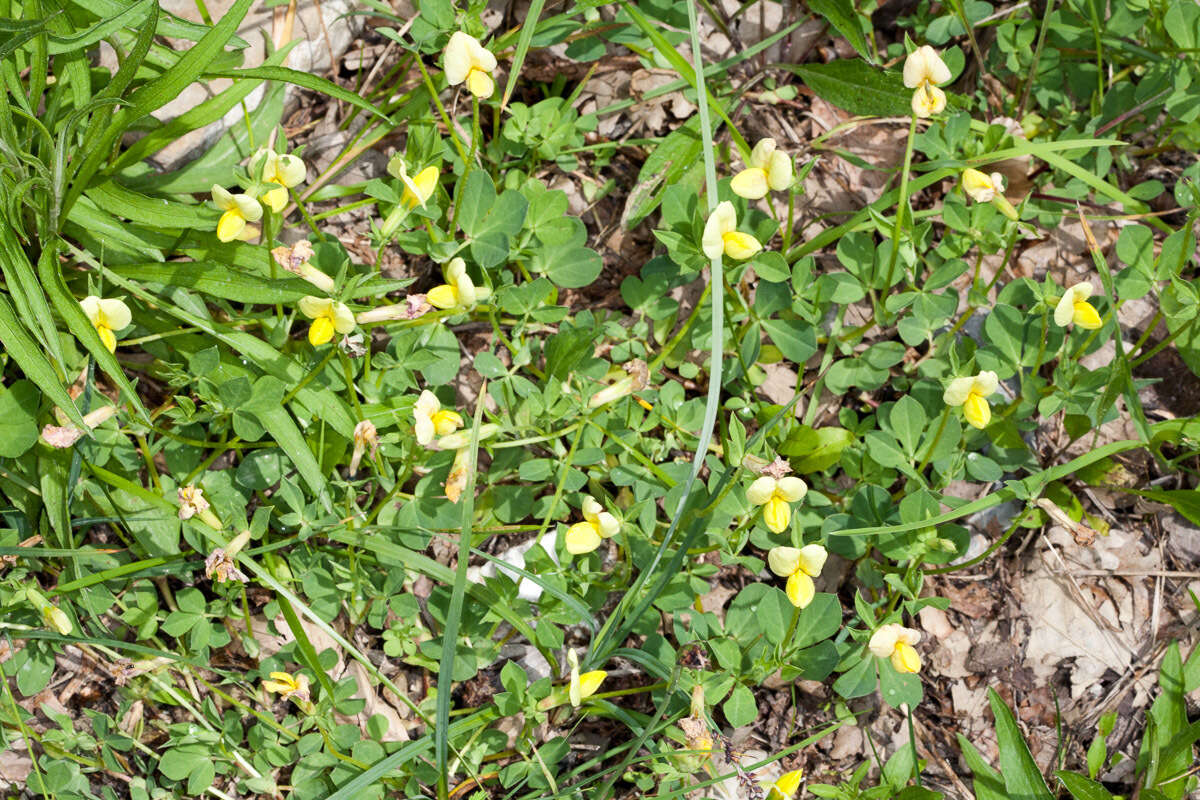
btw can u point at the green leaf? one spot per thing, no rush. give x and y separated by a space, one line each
740 708
853 86
155 212
216 280
1082 788
899 689
663 168
18 418
33 362
128 17
988 783
841 15
796 339
306 80
571 266
1022 779
908 423
813 450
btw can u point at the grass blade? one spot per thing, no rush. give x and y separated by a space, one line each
527 30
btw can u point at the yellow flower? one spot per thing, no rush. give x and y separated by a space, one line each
286 685
895 642
239 209
598 524
972 393
923 71
467 60
328 316
582 686
418 190
784 788
283 170
988 189
721 235
1075 308
799 565
767 169
108 317
775 494
459 291
432 420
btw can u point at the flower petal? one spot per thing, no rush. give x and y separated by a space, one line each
722 220
290 170
115 313
1086 317
761 490
779 171
883 641
812 559
783 561
905 659
343 318
800 589
792 488
741 246
958 390
457 58
230 225
608 525
985 383
589 682
750 183
313 307
321 331
760 156
480 84
976 411
91 307
582 537
777 514
443 297
978 186
222 198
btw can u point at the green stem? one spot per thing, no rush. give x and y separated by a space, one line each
901 206
996 545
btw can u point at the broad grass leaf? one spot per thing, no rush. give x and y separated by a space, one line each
1082 788
1022 779
856 87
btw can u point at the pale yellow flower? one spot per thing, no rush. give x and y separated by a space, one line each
466 60
239 209
775 496
721 235
433 420
799 565
982 188
328 316
459 291
284 171
924 70
1075 308
767 169
895 642
107 316
972 393
598 525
